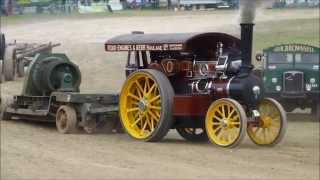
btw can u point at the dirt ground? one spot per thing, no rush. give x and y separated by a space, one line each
38 151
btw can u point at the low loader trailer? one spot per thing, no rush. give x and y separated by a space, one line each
51 94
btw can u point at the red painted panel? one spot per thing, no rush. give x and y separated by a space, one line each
191 105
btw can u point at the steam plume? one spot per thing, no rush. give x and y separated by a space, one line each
248 9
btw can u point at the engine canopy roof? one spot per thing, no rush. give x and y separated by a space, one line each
189 42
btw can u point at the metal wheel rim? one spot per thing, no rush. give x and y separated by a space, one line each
272 125
140 105
224 125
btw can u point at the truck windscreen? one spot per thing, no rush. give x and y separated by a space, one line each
280 58
307 58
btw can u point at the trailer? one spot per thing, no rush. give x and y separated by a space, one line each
51 94
71 111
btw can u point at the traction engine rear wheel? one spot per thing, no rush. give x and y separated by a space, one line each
226 123
146 102
193 134
273 124
66 119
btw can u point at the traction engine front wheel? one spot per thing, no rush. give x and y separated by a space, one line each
146 102
226 123
272 127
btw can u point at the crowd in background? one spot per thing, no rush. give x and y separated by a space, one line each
9 7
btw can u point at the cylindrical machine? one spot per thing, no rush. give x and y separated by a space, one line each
52 72
248 90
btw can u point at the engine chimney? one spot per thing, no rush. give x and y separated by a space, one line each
246 48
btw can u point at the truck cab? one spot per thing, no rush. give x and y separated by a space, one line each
291 75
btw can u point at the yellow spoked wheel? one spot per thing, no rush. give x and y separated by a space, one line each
226 123
273 124
146 103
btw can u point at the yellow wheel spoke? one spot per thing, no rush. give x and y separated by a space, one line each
134 96
158 102
153 115
144 127
231 112
217 129
156 107
236 118
139 86
235 123
154 99
148 121
221 134
223 113
256 130
135 103
136 115
146 84
264 135
140 95
219 112
136 122
217 118
132 109
216 123
151 122
157 113
151 89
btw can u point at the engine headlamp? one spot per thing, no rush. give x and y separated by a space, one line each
308 87
312 80
256 91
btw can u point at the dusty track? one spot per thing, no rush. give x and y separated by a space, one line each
38 151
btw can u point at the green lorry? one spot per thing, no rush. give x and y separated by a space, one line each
291 75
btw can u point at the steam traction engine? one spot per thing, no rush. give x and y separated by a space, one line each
200 84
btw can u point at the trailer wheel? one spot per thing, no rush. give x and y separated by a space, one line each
66 119
193 134
9 63
273 123
226 123
146 102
